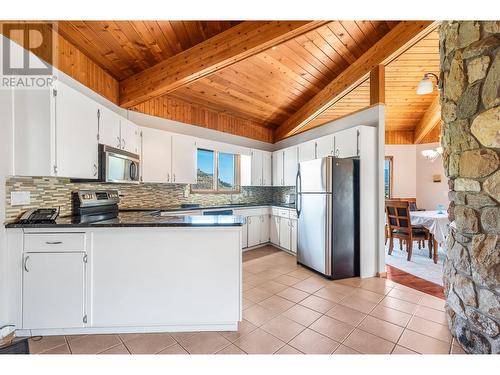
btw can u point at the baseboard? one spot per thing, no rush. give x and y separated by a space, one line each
382 275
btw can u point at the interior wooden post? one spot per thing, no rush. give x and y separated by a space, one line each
377 85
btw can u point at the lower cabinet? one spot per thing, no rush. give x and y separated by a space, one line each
253 230
244 234
293 236
54 290
275 230
264 228
285 233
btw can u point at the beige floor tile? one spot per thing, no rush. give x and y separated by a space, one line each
399 305
287 349
246 303
283 328
402 350
174 349
346 315
181 337
342 350
149 343
433 302
367 295
269 274
311 342
287 280
118 349
318 304
256 294
423 344
205 343
70 338
353 281
277 304
331 294
129 336
231 349
341 288
381 328
390 315
367 343
273 287
428 328
301 274
377 288
310 285
436 316
244 327
62 349
302 315
332 328
258 315
405 296
45 343
358 303
93 344
259 342
293 294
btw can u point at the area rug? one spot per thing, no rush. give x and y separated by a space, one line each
420 265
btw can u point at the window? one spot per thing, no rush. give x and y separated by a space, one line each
388 176
218 172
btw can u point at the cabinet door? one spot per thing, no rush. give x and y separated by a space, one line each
293 236
76 134
244 234
290 166
307 151
267 169
278 168
156 156
53 290
275 230
129 136
256 168
109 128
346 143
183 159
253 230
285 233
264 228
325 146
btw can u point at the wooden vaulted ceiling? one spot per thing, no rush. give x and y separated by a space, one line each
253 78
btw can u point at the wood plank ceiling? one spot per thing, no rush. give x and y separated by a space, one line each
263 90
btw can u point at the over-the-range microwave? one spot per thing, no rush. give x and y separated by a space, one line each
118 166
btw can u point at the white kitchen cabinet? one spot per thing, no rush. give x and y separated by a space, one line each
307 151
183 159
54 290
129 134
265 224
244 235
275 230
290 166
347 143
109 127
293 236
76 134
253 223
156 155
267 176
256 167
278 168
325 146
261 168
285 233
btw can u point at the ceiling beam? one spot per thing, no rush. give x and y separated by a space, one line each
227 48
430 119
377 85
395 42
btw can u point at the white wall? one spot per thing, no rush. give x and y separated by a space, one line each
404 170
429 193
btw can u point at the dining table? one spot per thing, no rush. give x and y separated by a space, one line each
436 222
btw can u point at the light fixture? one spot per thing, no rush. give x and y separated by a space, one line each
273 48
426 86
432 154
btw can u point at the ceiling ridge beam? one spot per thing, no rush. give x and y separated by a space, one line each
225 49
430 119
394 43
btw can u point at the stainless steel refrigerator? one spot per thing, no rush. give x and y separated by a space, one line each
327 207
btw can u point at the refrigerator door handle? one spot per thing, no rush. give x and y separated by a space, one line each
298 189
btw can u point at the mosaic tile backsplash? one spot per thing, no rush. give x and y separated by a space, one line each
56 192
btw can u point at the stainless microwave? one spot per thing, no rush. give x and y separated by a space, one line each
118 166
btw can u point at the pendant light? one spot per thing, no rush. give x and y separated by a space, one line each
426 86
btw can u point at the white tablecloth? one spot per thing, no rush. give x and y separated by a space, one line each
432 220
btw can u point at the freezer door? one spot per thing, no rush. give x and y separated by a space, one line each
314 232
314 176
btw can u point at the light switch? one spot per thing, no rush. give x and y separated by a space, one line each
20 198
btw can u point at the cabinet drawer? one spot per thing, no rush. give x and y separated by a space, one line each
284 213
54 242
266 211
293 214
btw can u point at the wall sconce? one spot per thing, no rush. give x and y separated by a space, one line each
432 155
426 86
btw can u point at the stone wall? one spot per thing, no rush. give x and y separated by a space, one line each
470 64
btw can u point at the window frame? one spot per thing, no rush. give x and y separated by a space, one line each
215 184
391 175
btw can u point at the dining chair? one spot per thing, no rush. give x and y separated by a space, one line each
399 223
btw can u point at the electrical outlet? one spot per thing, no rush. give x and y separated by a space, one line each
20 198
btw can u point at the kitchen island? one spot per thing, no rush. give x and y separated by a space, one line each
132 273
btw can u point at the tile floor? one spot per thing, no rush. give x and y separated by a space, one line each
291 310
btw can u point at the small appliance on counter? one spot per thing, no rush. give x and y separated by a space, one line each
290 198
39 216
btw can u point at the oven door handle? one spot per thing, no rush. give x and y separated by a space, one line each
133 171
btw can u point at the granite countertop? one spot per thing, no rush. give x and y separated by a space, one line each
141 219
224 206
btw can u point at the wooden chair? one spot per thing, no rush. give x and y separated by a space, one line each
399 223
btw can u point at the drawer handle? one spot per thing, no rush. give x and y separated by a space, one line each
53 242
25 265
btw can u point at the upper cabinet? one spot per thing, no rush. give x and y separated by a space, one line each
307 151
325 146
116 131
183 167
278 168
261 168
290 162
347 143
256 167
129 134
267 175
